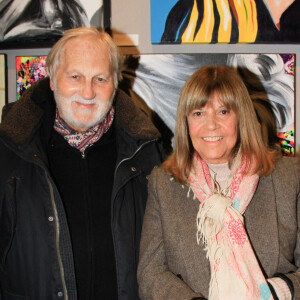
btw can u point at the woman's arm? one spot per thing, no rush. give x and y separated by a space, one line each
295 277
286 180
155 279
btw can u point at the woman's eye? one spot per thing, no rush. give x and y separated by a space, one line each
224 111
197 113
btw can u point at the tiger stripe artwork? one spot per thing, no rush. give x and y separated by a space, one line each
224 21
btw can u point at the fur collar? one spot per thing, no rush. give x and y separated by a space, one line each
22 118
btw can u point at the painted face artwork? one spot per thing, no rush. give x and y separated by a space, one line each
83 85
213 131
277 8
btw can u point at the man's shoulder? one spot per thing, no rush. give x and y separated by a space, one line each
21 117
9 161
132 119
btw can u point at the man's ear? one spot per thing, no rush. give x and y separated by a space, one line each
51 84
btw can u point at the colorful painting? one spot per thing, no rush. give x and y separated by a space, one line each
36 24
155 81
287 137
225 21
28 70
3 81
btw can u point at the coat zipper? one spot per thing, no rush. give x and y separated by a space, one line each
117 167
61 268
130 157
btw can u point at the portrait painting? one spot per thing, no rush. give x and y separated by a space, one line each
3 83
225 21
155 80
40 23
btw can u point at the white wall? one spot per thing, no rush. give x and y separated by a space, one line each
132 17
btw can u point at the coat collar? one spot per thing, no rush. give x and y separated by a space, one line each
22 118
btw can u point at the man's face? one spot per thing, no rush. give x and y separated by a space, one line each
83 85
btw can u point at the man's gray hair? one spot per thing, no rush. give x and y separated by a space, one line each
54 56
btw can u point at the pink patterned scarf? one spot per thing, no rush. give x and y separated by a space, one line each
83 140
235 272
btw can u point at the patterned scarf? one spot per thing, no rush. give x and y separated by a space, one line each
82 140
235 272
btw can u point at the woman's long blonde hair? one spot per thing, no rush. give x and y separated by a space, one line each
234 95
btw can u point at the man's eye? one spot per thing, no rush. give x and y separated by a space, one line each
74 76
100 79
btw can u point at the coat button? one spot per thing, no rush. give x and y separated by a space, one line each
133 169
50 219
60 294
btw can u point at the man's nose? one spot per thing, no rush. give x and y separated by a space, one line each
88 90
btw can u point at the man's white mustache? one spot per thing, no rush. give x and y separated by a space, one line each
83 101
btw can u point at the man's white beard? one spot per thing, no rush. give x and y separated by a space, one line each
64 106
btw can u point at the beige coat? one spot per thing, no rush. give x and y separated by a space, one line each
172 264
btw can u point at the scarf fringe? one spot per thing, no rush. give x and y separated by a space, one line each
209 230
210 217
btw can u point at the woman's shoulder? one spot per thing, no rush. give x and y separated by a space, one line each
161 179
159 174
288 167
288 162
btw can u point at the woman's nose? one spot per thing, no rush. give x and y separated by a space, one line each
211 122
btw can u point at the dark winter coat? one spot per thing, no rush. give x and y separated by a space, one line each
36 260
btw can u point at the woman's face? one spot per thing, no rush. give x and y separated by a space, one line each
213 130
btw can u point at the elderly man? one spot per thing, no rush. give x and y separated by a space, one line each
75 153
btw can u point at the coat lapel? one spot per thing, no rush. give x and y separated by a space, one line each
199 272
260 225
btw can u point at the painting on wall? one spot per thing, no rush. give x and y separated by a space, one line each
155 80
3 83
38 24
225 21
28 70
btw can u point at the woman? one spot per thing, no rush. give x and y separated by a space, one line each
221 218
